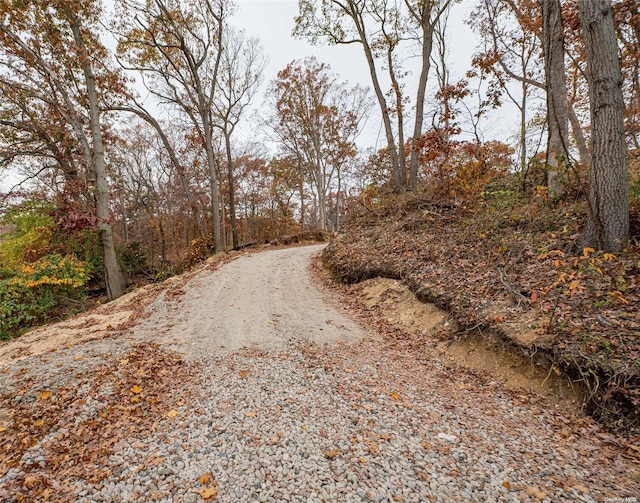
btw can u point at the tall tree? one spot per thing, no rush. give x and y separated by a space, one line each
178 47
348 22
555 78
139 110
317 121
608 226
509 50
54 49
241 69
426 16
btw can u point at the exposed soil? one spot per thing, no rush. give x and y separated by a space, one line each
434 328
507 267
247 382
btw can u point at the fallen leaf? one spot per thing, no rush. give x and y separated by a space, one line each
173 413
395 396
136 389
206 479
250 414
44 395
46 494
124 362
243 373
30 482
39 423
535 492
331 454
208 493
507 486
580 488
77 358
349 371
135 399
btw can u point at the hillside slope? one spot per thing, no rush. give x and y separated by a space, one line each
512 266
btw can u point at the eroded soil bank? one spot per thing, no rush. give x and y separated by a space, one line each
506 271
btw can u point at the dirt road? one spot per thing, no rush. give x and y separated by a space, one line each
241 384
262 300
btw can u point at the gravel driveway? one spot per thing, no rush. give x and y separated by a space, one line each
249 386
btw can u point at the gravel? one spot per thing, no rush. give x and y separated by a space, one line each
298 420
286 427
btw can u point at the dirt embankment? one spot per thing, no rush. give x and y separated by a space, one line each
430 328
504 273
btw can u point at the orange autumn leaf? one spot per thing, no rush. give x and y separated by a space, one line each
136 389
173 413
44 395
206 479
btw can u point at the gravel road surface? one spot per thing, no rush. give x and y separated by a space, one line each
277 396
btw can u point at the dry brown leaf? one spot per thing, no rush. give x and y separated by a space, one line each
250 414
395 395
30 482
173 413
535 492
580 488
243 373
507 485
331 454
136 389
206 479
39 423
124 362
208 493
44 395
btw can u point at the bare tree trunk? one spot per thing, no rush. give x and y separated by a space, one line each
523 130
578 136
608 226
113 275
423 18
232 202
302 205
215 190
382 101
557 103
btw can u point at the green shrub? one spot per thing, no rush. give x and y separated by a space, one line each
39 292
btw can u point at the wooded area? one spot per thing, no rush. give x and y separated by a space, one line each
119 128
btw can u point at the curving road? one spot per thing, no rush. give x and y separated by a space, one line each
259 300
